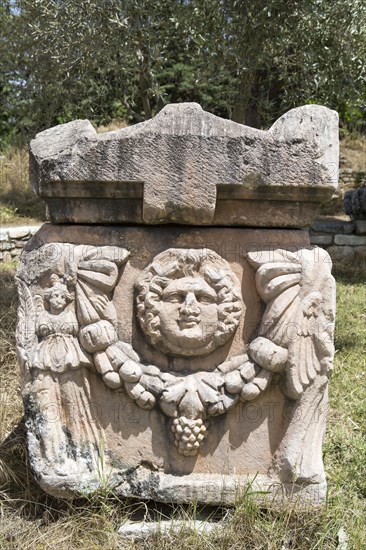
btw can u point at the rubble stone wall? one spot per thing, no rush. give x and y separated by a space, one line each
13 240
343 240
349 179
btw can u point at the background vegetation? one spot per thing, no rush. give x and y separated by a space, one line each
249 61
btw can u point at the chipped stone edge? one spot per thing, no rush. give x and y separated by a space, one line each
210 489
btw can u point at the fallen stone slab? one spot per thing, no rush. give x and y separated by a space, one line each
142 531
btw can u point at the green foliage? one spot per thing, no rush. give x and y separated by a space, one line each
249 61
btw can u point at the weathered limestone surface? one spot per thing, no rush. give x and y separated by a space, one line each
181 410
179 363
188 166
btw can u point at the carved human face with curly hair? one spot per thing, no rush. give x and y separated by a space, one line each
188 301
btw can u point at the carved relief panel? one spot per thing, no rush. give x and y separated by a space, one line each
146 351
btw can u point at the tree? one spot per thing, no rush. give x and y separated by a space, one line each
277 54
249 61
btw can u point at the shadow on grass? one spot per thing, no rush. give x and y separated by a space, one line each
350 273
16 207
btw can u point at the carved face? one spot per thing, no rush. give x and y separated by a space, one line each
57 300
188 301
188 314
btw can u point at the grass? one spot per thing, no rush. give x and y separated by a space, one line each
31 519
18 204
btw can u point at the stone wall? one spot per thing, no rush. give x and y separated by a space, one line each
344 240
13 239
350 179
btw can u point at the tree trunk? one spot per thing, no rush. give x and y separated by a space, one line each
252 116
144 85
244 94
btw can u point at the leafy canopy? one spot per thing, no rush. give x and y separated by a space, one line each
249 61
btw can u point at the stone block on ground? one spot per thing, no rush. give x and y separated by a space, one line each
142 531
184 362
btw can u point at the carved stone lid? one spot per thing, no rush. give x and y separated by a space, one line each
187 166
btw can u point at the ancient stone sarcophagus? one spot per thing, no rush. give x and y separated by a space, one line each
175 327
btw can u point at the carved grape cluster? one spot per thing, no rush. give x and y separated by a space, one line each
189 433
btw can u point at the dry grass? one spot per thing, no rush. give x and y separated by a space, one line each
353 149
18 204
116 124
31 519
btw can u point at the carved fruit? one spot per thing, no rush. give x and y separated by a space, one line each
116 356
263 379
188 434
102 363
152 384
267 354
249 392
134 390
234 382
146 400
112 380
248 371
97 336
128 351
130 371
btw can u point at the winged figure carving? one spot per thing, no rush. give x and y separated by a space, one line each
296 331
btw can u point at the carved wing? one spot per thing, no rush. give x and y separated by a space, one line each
97 275
25 333
299 294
